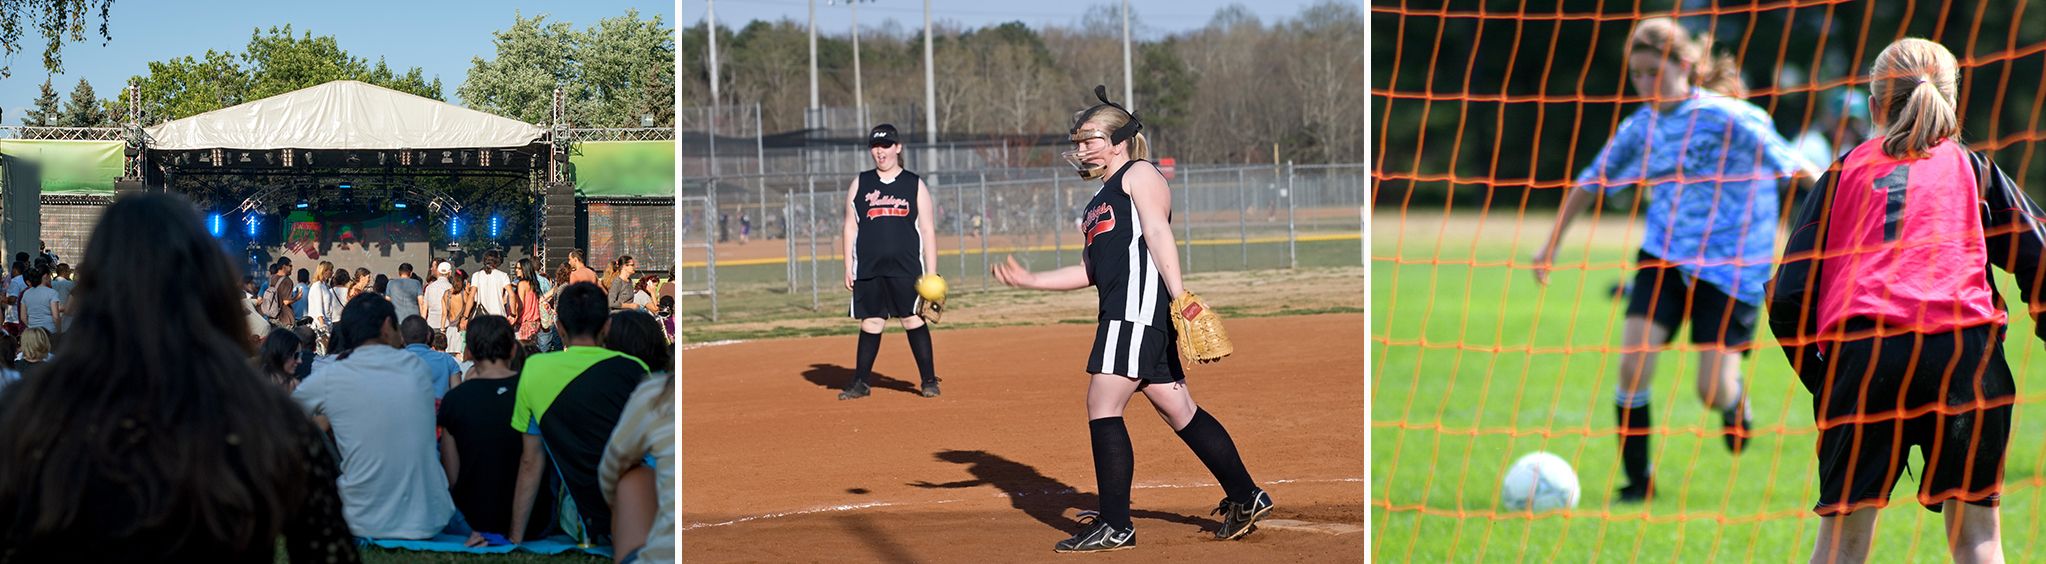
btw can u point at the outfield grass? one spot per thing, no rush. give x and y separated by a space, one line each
1469 371
759 293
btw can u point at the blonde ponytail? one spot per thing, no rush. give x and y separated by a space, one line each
1140 148
1914 93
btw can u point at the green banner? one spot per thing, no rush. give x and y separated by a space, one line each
70 167
624 168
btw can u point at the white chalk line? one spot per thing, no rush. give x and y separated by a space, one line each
1062 491
711 344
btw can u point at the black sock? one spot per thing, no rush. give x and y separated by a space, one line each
1210 442
1115 466
1634 428
920 347
870 345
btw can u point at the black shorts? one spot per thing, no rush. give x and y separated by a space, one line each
1873 400
1135 351
1665 294
884 297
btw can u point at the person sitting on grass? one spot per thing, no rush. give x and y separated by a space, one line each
378 402
481 454
570 401
638 472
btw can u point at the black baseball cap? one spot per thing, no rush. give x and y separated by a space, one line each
884 133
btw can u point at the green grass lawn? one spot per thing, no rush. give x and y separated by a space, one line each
1469 370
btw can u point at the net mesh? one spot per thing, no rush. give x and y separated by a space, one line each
1484 114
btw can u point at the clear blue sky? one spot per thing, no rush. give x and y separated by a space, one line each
438 36
1156 17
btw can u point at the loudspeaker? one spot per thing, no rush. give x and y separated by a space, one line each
558 219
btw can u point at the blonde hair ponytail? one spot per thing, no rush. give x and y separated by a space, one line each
1914 92
1140 147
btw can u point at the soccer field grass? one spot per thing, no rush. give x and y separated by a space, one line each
1474 365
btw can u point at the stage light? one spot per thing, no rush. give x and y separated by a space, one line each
398 204
455 227
345 185
496 224
303 203
214 224
253 221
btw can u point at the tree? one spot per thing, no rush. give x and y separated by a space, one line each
83 110
45 112
55 21
275 62
611 75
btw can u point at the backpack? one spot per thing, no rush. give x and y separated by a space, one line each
272 304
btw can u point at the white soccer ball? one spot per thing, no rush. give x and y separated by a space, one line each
1540 482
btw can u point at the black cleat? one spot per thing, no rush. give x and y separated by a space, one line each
1636 493
855 391
1239 519
930 389
1102 537
1734 427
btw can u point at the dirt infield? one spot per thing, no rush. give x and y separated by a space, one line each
778 470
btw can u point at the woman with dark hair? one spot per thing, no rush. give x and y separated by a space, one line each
9 373
128 450
382 285
378 400
526 294
636 333
279 358
480 452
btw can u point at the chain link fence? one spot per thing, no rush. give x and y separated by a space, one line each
783 234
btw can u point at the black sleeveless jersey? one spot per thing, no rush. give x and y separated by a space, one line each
887 243
1118 259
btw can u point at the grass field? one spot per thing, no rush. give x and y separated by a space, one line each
1474 366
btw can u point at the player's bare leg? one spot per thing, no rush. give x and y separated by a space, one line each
1720 386
1845 539
1640 340
1974 532
1210 442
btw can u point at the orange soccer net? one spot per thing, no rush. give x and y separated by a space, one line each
1485 115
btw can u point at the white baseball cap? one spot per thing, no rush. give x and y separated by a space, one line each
445 269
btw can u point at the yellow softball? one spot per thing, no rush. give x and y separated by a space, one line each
931 287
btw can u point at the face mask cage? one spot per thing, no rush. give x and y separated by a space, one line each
1078 156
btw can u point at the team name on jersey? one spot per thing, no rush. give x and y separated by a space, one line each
886 206
1099 220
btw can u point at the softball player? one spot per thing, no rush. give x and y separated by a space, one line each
1130 261
890 240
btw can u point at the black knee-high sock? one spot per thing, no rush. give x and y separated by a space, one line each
1211 443
870 345
1634 428
1115 465
920 346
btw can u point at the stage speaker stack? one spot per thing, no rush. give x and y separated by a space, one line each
126 185
559 229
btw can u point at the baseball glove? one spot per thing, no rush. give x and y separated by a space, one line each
929 310
1201 338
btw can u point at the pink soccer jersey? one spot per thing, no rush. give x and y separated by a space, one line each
1905 243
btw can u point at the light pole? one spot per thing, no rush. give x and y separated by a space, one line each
859 90
930 97
1129 99
813 65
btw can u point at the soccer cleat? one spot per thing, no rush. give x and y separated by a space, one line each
1735 424
855 391
1636 493
1102 537
1239 519
930 389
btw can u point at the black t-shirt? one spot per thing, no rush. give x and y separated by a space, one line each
474 414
